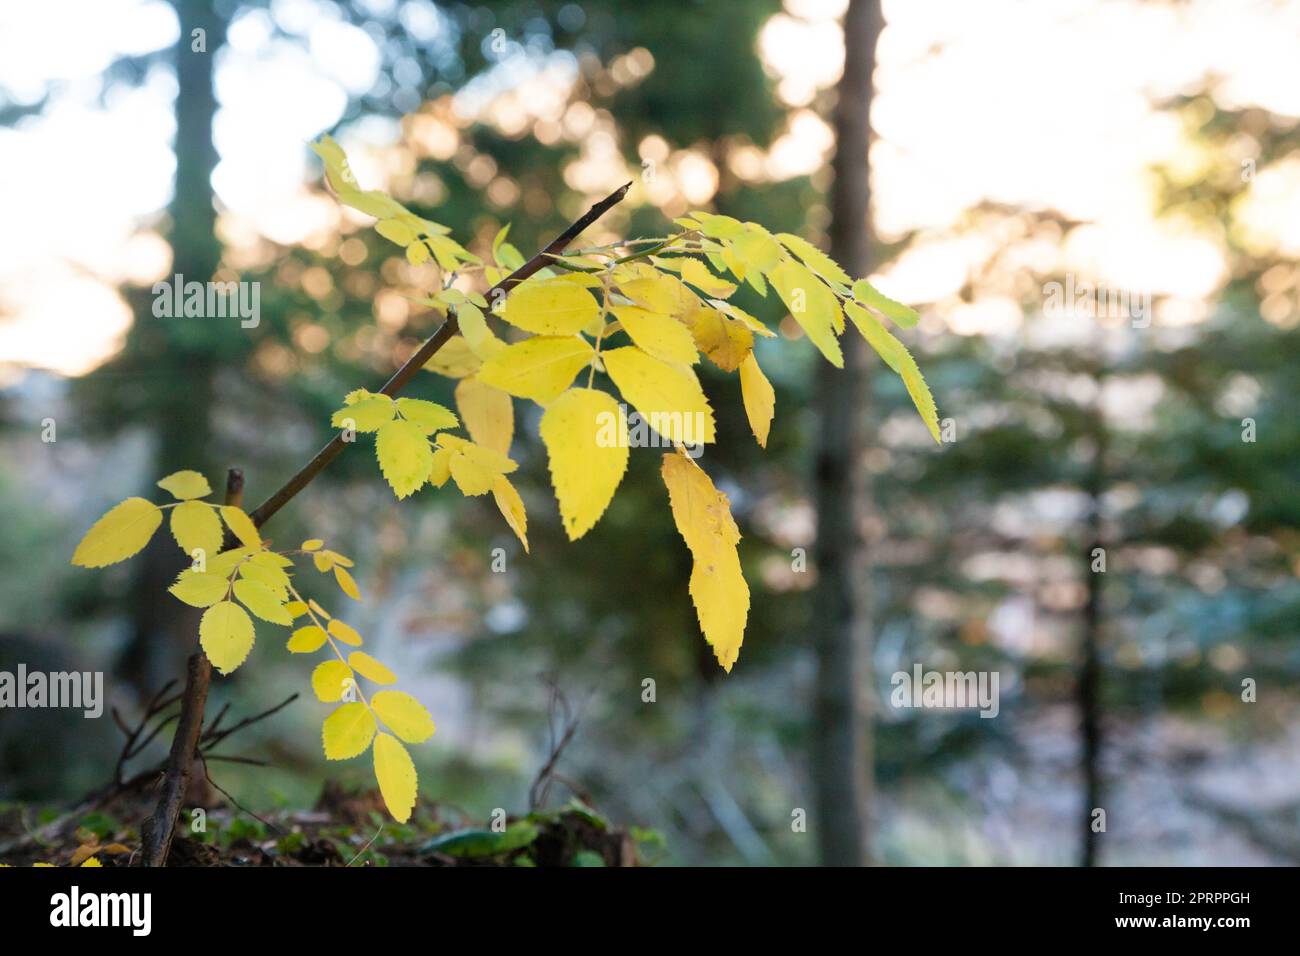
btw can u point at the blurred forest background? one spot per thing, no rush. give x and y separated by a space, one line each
1150 148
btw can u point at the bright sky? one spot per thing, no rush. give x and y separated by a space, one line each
1016 101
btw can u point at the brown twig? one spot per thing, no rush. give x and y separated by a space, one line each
159 828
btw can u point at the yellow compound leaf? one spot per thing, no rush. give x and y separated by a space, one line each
488 413
550 307
812 304
307 639
511 507
120 533
346 584
344 632
185 484
371 669
330 679
366 415
455 359
587 448
200 588
759 398
262 601
404 456
242 525
348 731
659 335
428 416
226 635
395 772
195 526
668 397
539 368
718 589
898 358
404 715
726 341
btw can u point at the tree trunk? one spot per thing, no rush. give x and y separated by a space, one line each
841 732
161 630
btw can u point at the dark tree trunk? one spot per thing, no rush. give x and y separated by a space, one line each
841 733
162 630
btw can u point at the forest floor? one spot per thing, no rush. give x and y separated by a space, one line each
343 829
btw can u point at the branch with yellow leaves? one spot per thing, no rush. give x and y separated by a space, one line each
430 348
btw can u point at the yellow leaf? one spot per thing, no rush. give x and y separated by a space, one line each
587 448
317 609
539 368
346 584
344 632
296 608
200 588
668 397
322 561
473 326
185 484
703 517
816 260
226 635
330 680
429 416
896 312
313 544
371 669
440 470
404 715
196 527
759 398
550 307
225 563
659 335
242 525
723 339
261 600
307 639
272 576
348 731
455 359
488 413
511 507
898 358
697 274
404 456
395 772
364 416
471 477
120 533
812 304
92 861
